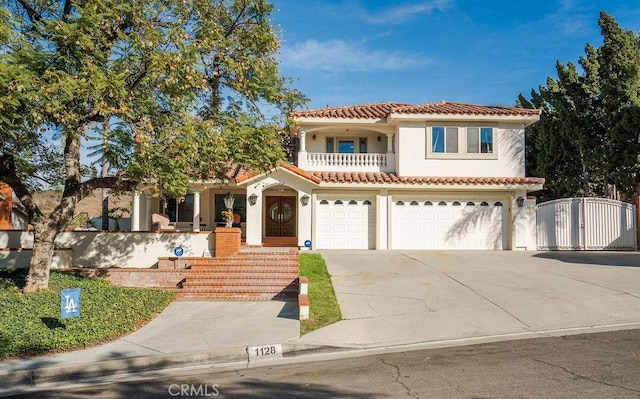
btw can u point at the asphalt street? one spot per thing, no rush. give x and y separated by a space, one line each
600 365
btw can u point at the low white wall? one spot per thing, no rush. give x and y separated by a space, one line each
105 249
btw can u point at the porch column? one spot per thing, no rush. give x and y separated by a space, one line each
303 141
254 216
147 214
196 211
135 211
389 143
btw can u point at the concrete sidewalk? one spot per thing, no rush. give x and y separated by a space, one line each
390 300
186 333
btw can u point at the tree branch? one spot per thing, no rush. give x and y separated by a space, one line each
34 16
66 10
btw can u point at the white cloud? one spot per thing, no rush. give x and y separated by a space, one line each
399 14
342 56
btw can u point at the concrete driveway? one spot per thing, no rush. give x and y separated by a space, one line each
409 297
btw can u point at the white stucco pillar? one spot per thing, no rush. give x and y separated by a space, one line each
304 217
524 224
254 215
389 143
382 226
196 211
135 211
303 141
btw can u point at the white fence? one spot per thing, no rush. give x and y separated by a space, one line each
586 224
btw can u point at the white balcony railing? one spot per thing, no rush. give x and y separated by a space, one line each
344 162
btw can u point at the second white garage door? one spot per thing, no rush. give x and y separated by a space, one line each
345 223
446 224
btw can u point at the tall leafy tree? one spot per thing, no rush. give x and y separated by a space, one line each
584 143
188 82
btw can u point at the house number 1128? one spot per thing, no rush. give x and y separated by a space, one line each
265 351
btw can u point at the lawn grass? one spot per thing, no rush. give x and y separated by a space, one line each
30 324
323 306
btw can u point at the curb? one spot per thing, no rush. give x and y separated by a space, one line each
35 376
38 377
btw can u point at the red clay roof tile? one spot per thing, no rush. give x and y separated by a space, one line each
382 177
383 110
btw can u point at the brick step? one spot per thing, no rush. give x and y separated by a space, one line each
208 261
267 289
248 297
242 281
243 275
254 268
220 266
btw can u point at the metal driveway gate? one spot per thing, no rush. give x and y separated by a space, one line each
586 224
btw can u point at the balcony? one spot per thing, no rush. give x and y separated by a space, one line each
345 162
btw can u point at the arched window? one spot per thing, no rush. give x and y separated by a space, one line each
428 203
353 202
483 203
399 203
338 202
456 203
414 203
442 203
367 202
324 202
498 204
470 203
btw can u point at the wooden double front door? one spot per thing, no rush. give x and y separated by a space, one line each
280 218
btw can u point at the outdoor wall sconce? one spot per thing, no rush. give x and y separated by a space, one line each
252 199
314 136
379 138
520 202
304 200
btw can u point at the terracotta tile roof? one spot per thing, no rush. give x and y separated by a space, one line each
382 177
383 110
366 111
449 108
246 175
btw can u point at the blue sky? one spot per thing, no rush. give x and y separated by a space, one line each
346 52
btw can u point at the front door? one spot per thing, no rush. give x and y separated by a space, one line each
280 217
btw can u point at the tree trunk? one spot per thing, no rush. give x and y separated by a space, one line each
45 232
105 209
104 173
41 256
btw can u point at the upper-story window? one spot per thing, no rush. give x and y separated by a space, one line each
479 140
470 142
444 140
346 145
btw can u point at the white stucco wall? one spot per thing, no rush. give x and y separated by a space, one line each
412 158
106 249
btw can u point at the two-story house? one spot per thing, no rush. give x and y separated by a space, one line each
382 176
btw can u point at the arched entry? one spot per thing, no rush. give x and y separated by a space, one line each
280 216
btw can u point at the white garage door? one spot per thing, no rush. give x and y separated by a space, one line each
344 223
446 224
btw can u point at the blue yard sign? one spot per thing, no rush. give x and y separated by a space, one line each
178 251
70 303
